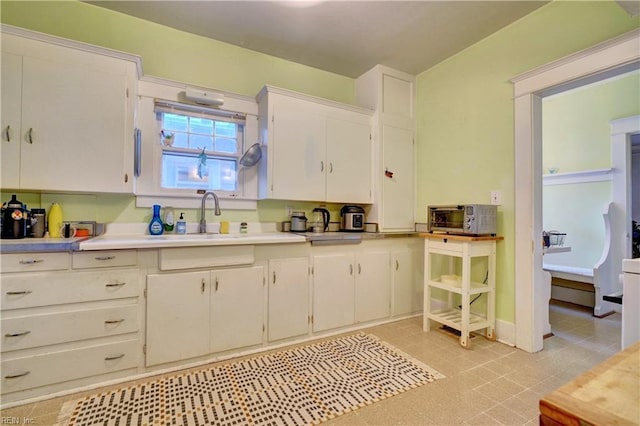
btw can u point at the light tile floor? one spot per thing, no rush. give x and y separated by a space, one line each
489 384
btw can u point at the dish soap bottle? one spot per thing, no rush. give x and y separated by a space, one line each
168 221
181 226
155 226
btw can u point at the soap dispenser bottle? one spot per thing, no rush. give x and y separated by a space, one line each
181 225
155 226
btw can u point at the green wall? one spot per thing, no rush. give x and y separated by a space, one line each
464 104
465 122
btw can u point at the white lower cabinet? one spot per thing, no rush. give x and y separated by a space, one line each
237 315
372 286
350 286
190 314
333 291
406 281
288 307
178 325
63 327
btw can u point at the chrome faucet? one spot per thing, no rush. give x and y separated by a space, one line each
217 212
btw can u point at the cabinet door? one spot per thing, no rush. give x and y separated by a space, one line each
288 282
177 316
237 308
333 291
398 191
372 286
349 158
75 120
11 76
407 287
298 151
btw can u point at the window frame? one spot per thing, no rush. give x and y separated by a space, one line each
147 183
166 107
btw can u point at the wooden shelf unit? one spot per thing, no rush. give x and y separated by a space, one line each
460 317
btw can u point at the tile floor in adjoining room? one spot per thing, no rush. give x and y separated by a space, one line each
488 384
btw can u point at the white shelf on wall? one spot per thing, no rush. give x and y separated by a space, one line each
584 176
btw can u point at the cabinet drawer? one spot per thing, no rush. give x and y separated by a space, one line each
55 367
103 259
27 262
205 257
48 329
448 246
54 288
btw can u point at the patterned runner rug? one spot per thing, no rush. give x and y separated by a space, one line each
304 385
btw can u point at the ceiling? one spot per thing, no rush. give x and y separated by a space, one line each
343 37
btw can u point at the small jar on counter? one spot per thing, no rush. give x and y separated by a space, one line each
243 227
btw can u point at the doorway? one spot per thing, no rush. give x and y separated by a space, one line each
614 57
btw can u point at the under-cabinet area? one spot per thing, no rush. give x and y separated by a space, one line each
104 315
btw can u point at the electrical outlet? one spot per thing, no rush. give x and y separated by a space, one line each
288 211
496 197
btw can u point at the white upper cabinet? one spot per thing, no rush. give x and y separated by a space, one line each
314 149
391 94
71 121
11 119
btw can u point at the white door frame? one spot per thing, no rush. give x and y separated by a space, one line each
602 61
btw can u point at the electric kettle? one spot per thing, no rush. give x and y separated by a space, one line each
320 220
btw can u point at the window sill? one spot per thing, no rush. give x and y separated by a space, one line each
194 202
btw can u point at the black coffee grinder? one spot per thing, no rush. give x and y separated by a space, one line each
14 219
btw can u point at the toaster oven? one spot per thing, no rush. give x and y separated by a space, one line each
464 219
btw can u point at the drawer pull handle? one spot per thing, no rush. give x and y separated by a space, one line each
7 133
112 358
24 333
17 293
397 265
30 136
15 376
105 257
31 261
114 321
114 284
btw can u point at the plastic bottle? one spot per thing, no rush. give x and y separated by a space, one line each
168 221
155 226
181 226
55 220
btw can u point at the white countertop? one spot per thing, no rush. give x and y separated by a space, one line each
631 265
131 241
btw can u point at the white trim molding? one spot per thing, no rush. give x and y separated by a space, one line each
607 59
583 176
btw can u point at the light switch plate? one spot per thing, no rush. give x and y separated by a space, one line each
496 197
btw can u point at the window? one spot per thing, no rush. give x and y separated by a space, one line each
200 147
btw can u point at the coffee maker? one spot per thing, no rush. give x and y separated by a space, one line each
14 219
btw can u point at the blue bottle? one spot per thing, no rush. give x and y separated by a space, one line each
155 226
